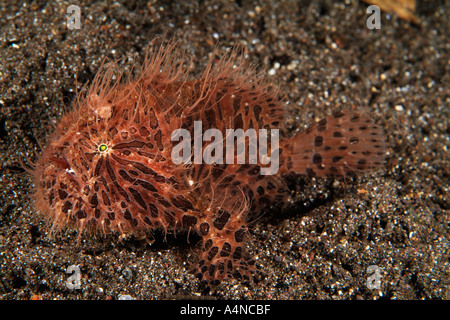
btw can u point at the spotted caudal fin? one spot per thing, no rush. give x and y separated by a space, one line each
342 144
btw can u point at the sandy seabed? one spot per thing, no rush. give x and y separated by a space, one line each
334 237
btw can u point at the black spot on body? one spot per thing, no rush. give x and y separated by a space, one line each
237 254
254 170
98 166
226 250
138 197
105 198
127 215
81 214
208 244
212 253
147 185
153 210
221 220
94 200
122 191
66 207
338 114
182 203
310 172
211 270
125 176
354 140
260 190
204 228
189 221
354 118
317 158
62 194
239 235
318 141
110 170
322 125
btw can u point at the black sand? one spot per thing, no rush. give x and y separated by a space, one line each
323 56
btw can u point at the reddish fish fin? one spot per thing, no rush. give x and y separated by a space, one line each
342 144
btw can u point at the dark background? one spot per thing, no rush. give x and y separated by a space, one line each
322 56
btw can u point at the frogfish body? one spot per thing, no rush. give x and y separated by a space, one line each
111 165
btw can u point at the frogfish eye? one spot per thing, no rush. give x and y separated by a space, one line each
102 147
